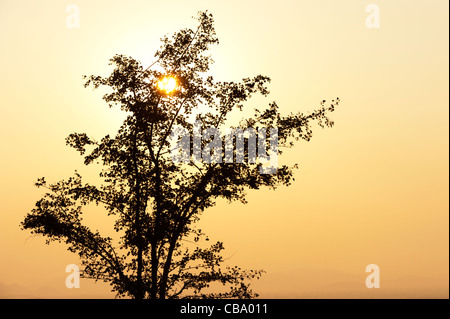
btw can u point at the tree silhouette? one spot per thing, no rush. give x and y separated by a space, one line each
157 201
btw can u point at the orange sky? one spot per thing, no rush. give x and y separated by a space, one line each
373 189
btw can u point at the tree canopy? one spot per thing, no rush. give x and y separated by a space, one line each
155 200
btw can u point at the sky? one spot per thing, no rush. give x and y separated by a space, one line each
371 190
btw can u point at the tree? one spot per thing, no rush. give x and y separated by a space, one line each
157 201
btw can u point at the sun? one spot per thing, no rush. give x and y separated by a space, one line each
167 84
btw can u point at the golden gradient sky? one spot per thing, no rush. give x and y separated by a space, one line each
373 189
